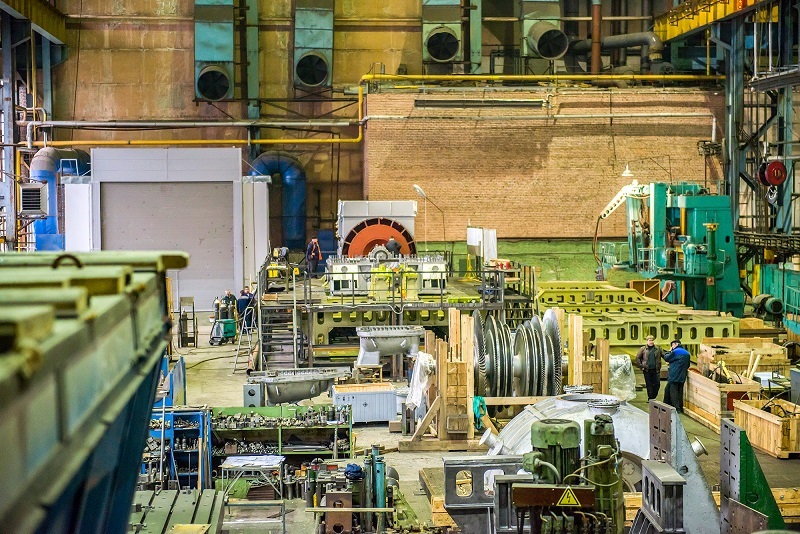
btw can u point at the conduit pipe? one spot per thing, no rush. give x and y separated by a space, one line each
293 203
44 167
649 42
205 142
154 125
597 14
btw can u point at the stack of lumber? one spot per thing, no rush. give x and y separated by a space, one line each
743 356
588 366
449 423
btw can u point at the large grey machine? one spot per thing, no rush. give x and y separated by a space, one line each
651 453
556 488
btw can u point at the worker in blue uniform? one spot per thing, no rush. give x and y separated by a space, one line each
678 359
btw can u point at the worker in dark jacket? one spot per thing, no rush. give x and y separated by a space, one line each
649 361
313 257
678 359
393 246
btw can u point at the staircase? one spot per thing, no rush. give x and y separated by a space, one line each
277 337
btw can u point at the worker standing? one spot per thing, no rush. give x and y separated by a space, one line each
678 359
649 361
313 256
393 246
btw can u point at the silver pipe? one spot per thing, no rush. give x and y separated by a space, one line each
30 125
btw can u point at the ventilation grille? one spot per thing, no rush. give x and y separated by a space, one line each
33 200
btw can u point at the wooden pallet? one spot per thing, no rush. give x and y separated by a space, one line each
777 433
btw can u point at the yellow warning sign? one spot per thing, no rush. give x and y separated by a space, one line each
568 498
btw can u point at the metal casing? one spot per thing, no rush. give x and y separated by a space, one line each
531 13
368 405
313 43
353 212
213 49
441 23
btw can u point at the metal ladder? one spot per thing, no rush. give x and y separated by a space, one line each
248 317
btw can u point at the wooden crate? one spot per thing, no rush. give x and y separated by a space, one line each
706 401
777 433
740 353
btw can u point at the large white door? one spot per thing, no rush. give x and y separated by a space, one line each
174 199
195 217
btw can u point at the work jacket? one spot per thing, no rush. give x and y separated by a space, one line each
641 357
678 359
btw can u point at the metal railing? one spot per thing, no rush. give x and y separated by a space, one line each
614 253
678 261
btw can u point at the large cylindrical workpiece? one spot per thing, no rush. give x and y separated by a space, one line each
547 40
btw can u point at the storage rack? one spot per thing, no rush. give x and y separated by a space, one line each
300 433
186 457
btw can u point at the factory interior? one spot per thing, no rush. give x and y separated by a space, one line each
363 266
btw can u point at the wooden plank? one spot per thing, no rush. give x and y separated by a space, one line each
454 333
441 445
603 349
468 354
444 394
426 421
575 347
395 426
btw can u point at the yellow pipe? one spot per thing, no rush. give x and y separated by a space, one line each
543 77
223 142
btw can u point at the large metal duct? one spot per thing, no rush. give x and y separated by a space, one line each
650 43
541 34
47 165
293 177
631 426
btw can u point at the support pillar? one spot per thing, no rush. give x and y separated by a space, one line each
7 185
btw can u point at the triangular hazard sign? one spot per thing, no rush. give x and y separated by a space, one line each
568 498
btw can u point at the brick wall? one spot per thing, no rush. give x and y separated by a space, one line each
533 178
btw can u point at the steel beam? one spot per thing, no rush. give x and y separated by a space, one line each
734 107
7 185
46 19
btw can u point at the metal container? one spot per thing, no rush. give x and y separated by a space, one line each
369 402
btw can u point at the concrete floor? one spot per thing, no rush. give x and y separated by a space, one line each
210 381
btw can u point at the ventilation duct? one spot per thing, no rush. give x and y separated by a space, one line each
213 49
541 33
313 43
650 43
48 167
293 202
442 32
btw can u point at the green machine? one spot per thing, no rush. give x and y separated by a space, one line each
683 235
